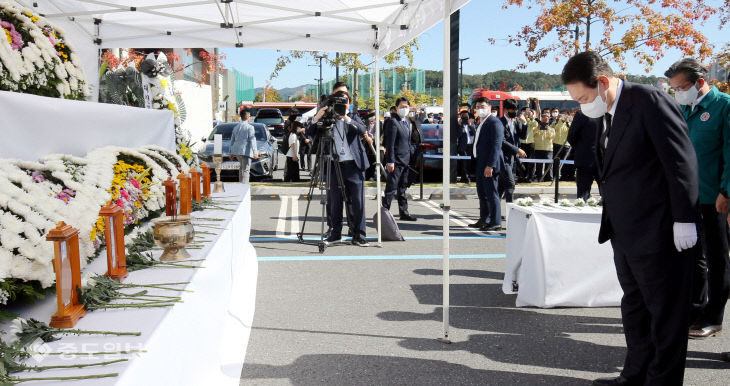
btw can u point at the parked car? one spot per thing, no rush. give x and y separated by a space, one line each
274 121
433 144
264 166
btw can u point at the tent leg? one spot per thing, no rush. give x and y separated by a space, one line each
377 149
446 171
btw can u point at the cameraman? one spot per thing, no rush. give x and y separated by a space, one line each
350 155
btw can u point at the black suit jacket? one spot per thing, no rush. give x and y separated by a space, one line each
489 145
355 129
462 141
649 173
511 141
398 141
582 138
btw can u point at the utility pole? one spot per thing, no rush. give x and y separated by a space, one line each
461 79
337 67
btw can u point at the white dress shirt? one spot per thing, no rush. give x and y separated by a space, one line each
476 137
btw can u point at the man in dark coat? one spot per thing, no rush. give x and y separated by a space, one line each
649 184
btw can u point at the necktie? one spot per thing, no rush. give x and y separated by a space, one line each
606 133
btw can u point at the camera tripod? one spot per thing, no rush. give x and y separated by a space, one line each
322 178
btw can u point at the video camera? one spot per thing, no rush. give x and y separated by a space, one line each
336 107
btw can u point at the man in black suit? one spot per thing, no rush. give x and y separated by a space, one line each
397 157
350 155
488 153
649 185
514 131
582 136
465 145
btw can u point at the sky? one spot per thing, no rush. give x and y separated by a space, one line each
479 20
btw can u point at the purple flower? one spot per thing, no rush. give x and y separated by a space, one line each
16 39
38 177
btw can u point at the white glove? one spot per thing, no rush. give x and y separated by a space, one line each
685 235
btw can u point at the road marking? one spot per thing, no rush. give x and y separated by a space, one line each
454 217
295 215
377 257
284 217
474 237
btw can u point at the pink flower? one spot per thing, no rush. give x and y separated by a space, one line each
120 203
15 37
124 194
38 177
134 183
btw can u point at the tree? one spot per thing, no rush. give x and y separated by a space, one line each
271 95
651 27
350 62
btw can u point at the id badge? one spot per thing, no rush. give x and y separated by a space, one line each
342 151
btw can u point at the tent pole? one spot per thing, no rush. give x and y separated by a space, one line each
446 194
377 146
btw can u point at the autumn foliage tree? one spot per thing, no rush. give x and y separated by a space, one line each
647 29
271 95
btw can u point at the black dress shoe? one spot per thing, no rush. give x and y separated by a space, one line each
477 225
491 228
620 380
705 332
407 217
725 356
350 233
360 242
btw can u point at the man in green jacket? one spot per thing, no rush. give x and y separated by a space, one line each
707 112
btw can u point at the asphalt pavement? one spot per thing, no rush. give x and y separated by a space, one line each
371 315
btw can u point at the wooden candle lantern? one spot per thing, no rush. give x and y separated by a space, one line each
206 179
68 275
195 174
186 201
116 255
170 197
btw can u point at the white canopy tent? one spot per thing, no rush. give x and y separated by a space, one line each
376 27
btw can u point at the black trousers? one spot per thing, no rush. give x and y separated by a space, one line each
291 173
539 168
506 183
715 248
490 208
305 155
353 179
655 313
567 172
395 186
584 178
465 166
528 173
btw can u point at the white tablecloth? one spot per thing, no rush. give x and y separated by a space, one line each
201 341
554 258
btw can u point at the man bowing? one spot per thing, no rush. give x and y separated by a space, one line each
649 184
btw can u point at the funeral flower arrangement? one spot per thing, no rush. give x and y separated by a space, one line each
35 196
35 58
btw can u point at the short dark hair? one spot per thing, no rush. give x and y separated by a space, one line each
338 85
402 99
691 68
481 100
245 113
392 108
430 115
294 126
509 104
585 67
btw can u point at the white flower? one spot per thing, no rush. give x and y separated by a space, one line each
592 202
87 281
565 202
16 327
4 297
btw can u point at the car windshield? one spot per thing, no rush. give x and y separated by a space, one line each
432 132
224 128
260 132
269 120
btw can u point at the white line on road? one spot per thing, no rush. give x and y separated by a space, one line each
295 216
437 209
281 222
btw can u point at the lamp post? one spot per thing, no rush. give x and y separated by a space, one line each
461 79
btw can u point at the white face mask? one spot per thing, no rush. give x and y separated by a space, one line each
595 109
555 115
494 113
403 112
482 113
687 97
